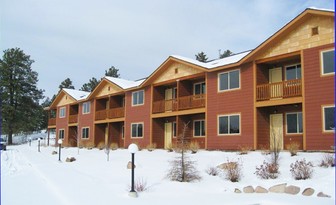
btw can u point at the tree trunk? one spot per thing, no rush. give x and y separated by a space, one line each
10 134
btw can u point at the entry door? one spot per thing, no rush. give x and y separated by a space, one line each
169 99
275 76
168 134
276 131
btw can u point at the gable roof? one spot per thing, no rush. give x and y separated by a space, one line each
75 95
124 84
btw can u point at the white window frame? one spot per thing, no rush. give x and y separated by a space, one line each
292 65
229 89
59 134
200 120
297 125
321 60
62 112
323 118
228 115
86 107
199 83
143 99
143 130
88 132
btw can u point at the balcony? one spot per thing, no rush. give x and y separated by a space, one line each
73 119
110 114
284 89
181 103
52 121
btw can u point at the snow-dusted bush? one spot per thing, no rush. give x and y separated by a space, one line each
328 160
194 147
101 145
213 171
267 171
293 148
301 169
140 185
151 147
244 149
114 146
233 171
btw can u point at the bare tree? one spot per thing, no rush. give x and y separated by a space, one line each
182 168
275 145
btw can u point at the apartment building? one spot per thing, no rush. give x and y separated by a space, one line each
276 94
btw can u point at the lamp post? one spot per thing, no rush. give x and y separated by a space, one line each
29 139
59 148
38 140
133 148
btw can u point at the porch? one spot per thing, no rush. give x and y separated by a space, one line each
52 118
112 107
109 133
73 114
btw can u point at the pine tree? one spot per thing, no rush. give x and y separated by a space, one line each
226 53
201 57
67 83
19 94
90 86
112 72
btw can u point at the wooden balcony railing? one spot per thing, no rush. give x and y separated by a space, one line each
110 114
52 121
181 103
73 118
284 89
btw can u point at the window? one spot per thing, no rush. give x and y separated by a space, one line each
86 107
228 124
61 134
174 129
229 80
137 130
138 97
328 62
294 123
293 72
199 128
62 112
328 118
85 133
199 88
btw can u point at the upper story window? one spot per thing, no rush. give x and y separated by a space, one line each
328 118
137 129
199 88
328 62
293 72
229 124
229 80
199 128
62 112
86 107
138 98
294 123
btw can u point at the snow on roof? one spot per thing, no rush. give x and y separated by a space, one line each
77 94
321 9
216 63
124 84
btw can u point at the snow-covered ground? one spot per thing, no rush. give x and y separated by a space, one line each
32 177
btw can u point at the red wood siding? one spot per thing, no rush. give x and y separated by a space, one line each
62 123
318 91
138 114
86 120
235 101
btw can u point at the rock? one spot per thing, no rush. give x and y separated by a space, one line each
260 189
237 191
292 190
308 192
280 188
70 159
129 165
54 152
321 194
248 189
228 165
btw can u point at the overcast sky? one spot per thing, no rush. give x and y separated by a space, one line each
80 39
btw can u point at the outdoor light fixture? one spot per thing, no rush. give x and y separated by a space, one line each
29 139
60 141
38 140
133 148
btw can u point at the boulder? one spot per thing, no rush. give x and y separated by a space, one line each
54 152
228 165
129 165
321 194
237 191
308 192
292 190
260 189
70 159
248 189
280 188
